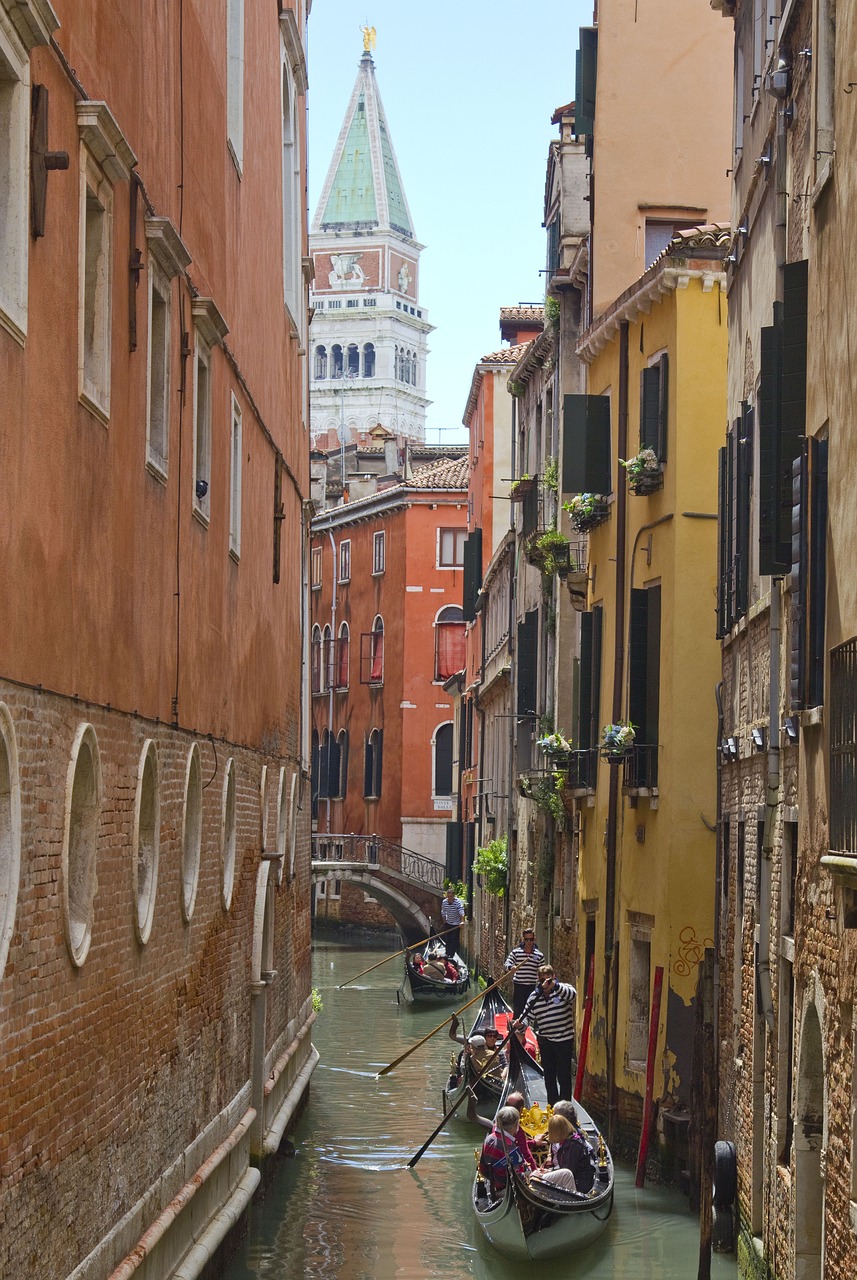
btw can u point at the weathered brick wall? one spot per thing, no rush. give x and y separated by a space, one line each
110 1070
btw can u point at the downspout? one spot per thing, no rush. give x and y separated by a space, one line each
329 673
771 806
611 946
718 870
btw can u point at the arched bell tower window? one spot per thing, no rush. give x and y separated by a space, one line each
321 363
336 361
369 360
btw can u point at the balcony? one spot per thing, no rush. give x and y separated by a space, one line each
582 770
641 771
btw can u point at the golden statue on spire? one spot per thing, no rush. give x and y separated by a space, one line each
368 38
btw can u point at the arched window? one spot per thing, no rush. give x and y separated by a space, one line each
342 743
396 364
315 659
321 362
372 765
314 772
146 839
353 361
191 831
80 841
376 652
448 642
10 832
324 779
336 361
443 760
343 647
326 659
368 360
413 368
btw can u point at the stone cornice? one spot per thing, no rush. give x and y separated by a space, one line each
641 297
209 321
166 246
105 140
33 21
294 49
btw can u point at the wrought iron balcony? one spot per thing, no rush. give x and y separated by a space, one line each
641 767
582 769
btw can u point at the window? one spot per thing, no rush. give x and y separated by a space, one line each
315 568
342 657
638 999
315 660
80 841
228 836
370 302
235 483
146 841
654 393
372 654
735 494
443 760
345 560
235 80
586 452
785 1004
314 772
659 233
644 678
201 427
96 217
379 552
372 765
341 790
353 361
320 363
369 359
472 558
809 573
10 832
450 548
326 659
336 361
14 184
843 748
589 697
191 832
158 394
292 270
449 641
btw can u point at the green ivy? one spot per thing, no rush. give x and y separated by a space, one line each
458 887
552 310
550 475
317 1002
492 864
547 793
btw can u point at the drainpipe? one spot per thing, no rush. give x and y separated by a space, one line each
611 945
330 690
771 806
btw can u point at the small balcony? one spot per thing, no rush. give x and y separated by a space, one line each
641 770
582 770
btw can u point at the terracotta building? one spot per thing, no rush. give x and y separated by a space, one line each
154 808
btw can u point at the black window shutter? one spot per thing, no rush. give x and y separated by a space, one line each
472 573
653 683
793 399
817 595
584 703
343 766
586 444
585 82
453 851
742 502
663 409
768 416
324 770
597 642
379 761
527 663
638 647
530 511
732 489
650 399
368 766
723 619
800 540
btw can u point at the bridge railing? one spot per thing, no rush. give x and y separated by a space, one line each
377 851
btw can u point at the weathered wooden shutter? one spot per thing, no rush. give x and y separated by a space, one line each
530 511
817 596
527 671
743 494
586 444
472 573
800 539
650 399
769 417
723 524
586 67
793 399
453 851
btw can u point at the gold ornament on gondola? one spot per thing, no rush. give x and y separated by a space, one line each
534 1121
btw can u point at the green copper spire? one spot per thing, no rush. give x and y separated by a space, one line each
352 196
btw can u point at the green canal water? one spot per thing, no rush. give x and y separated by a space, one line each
347 1206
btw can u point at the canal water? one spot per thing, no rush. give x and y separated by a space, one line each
347 1206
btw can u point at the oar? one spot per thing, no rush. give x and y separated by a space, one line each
464 1093
412 947
386 1070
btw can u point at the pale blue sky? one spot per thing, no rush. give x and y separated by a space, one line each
469 89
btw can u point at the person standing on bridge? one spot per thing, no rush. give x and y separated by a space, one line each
452 912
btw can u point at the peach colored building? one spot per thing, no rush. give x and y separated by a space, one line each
154 814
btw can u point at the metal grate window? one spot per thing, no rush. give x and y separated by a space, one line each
843 748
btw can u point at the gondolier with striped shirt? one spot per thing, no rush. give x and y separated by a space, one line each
452 911
528 956
551 1009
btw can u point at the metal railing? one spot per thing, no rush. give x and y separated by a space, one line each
377 851
582 769
641 767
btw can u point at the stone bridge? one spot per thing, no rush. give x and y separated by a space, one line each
407 884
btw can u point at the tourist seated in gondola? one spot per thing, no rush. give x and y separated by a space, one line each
571 1161
500 1152
418 961
450 970
481 1051
435 967
530 1148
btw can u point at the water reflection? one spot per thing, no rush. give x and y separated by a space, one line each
348 1206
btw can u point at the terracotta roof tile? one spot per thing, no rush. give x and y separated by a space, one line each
506 355
450 473
533 312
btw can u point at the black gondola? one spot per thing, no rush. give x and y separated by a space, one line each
426 985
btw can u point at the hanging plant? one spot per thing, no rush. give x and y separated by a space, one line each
644 472
617 741
522 486
548 793
550 475
549 552
554 744
586 510
491 863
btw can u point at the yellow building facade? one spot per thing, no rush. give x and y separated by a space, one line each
646 822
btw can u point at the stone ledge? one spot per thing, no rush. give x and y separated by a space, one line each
842 865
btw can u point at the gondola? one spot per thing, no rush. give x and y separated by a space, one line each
533 1220
493 1012
426 987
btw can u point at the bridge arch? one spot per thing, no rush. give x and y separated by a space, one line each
409 915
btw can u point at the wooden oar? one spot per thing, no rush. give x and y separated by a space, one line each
386 1070
464 1094
412 947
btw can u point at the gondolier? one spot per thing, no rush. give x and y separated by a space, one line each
551 1009
528 958
452 912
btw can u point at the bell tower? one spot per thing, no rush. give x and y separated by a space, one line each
368 334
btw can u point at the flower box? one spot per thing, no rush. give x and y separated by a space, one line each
644 471
586 510
521 488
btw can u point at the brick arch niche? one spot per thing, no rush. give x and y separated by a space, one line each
80 842
808 1145
10 832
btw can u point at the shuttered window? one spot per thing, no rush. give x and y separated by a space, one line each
644 680
588 727
654 394
528 632
808 575
472 573
843 748
586 445
372 765
734 518
585 82
454 842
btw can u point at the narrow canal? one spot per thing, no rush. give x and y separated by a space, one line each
347 1206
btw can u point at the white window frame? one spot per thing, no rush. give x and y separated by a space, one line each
293 282
14 181
95 265
235 459
315 559
345 560
202 428
235 82
379 553
459 535
158 363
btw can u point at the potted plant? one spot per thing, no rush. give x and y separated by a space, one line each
644 472
554 744
586 510
522 486
549 552
617 741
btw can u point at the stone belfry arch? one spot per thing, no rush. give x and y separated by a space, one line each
368 338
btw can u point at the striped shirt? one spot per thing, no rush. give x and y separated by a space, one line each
553 1014
452 912
528 974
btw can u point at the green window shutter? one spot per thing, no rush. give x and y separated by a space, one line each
597 642
650 400
472 573
663 408
723 618
768 416
638 631
644 677
817 593
527 669
453 851
799 574
733 487
744 445
586 444
793 398
584 705
586 66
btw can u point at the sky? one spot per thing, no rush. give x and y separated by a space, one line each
468 89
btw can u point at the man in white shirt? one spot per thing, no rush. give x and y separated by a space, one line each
452 912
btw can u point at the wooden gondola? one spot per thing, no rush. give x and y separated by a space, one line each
428 987
493 1012
534 1220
